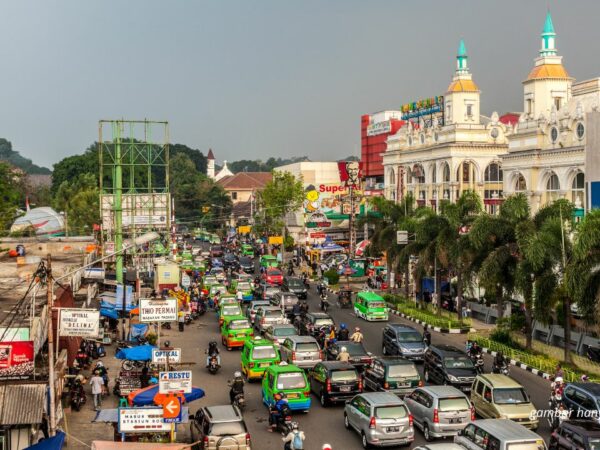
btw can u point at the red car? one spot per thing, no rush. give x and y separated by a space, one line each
273 276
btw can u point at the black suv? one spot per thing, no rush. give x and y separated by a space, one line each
230 261
359 356
583 399
295 285
444 364
580 434
395 375
246 264
334 381
402 340
312 323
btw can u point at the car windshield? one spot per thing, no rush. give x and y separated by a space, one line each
274 273
245 261
231 311
272 290
210 280
239 325
289 300
409 336
510 396
272 313
376 305
255 306
323 322
454 404
402 371
458 362
264 352
354 348
291 380
243 286
287 331
391 412
344 375
216 270
295 283
307 347
227 429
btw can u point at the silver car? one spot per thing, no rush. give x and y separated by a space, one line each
268 315
439 411
254 305
381 419
302 351
279 332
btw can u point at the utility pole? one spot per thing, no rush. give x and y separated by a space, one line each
118 206
51 380
351 222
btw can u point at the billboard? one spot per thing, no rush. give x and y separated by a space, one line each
350 173
175 382
142 420
425 107
16 360
79 322
140 211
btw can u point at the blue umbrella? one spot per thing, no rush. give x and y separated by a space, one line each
109 312
139 353
145 397
53 443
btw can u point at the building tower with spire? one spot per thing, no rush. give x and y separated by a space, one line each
210 164
462 99
548 85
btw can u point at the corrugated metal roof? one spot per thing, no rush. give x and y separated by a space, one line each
22 404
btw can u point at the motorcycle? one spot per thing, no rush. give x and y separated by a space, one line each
77 395
344 299
554 403
83 359
282 420
129 365
187 319
239 401
502 369
478 362
213 365
324 302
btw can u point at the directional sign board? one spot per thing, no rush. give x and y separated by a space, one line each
162 356
158 310
175 381
172 409
142 420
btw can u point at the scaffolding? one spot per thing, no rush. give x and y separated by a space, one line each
134 183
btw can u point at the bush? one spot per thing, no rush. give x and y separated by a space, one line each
332 276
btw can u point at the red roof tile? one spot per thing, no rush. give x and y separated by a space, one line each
246 180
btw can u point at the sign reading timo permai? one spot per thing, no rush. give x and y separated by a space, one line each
158 310
79 322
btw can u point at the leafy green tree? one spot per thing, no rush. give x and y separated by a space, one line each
79 198
71 167
281 196
11 194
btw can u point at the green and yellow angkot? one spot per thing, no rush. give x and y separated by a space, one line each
235 330
290 380
371 307
257 355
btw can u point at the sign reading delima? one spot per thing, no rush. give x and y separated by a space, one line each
158 310
79 322
142 420
174 382
172 356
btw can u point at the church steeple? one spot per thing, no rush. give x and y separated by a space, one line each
548 38
462 58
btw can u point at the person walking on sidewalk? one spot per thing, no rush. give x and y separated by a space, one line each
97 384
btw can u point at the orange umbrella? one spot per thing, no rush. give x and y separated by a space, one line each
135 311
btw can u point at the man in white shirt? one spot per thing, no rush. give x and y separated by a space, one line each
97 383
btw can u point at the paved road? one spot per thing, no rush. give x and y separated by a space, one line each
320 424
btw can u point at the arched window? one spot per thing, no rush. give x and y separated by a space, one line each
418 174
466 172
434 174
493 173
520 184
446 173
552 188
392 177
578 189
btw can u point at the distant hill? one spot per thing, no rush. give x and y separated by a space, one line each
13 157
257 165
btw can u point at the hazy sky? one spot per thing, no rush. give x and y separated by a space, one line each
260 78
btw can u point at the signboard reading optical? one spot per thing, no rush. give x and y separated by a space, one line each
158 310
172 356
76 322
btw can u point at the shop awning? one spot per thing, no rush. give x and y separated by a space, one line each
109 445
53 443
139 353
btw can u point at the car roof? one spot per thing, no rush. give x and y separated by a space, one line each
448 349
370 296
337 365
442 391
586 427
300 339
444 446
382 398
592 388
270 308
319 315
285 368
223 413
256 342
506 429
394 361
281 325
401 326
498 380
259 303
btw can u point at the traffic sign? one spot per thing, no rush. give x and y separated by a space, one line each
172 409
175 381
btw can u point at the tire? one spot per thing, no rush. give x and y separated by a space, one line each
128 365
346 422
323 400
363 440
426 433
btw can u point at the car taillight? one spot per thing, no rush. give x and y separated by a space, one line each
436 416
293 356
251 365
321 355
472 413
328 385
360 385
386 385
372 423
248 440
420 383
205 441
410 420
306 393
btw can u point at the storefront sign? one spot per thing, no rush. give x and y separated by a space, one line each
172 356
16 360
142 420
318 224
275 240
79 322
174 382
423 107
379 128
158 310
244 229
317 235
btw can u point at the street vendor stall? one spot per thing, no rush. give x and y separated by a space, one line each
321 251
129 380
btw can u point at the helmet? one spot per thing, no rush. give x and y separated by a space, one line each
558 380
99 364
212 343
167 343
357 329
294 425
326 447
500 353
277 396
344 349
237 374
343 326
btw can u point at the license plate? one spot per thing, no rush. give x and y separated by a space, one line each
345 388
466 388
392 429
458 420
292 395
240 335
264 365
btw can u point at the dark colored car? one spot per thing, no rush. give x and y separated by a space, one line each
312 323
359 356
230 261
216 251
296 286
579 434
334 381
583 399
395 375
402 340
445 364
246 264
265 291
285 301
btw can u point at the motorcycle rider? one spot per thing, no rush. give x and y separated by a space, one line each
323 299
343 334
357 336
556 392
499 362
304 307
426 337
295 438
343 355
275 410
213 350
237 386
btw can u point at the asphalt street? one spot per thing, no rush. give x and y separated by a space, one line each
320 424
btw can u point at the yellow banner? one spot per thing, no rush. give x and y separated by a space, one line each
244 229
275 240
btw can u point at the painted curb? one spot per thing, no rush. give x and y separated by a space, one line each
430 327
521 365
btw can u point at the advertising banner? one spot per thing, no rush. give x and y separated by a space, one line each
275 240
158 310
16 360
174 382
142 420
172 356
79 322
244 229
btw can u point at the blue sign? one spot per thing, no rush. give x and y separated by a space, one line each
595 194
